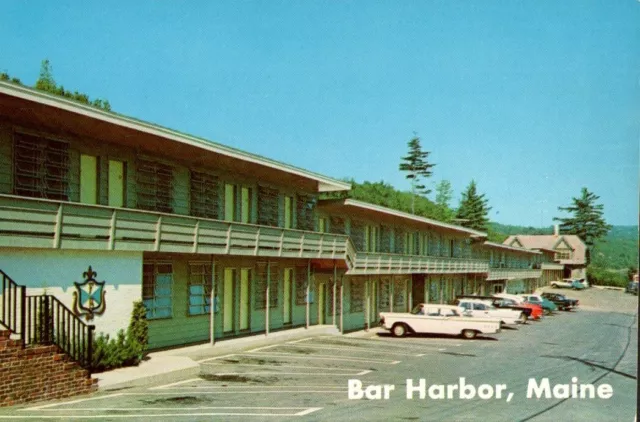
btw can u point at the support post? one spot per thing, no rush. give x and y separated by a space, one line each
341 305
23 314
335 276
367 309
212 305
308 290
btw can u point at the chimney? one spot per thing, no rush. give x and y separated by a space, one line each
556 230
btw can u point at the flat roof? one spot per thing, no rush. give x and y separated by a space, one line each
391 212
324 183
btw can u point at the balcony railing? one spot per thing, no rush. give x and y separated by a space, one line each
552 266
512 273
42 223
387 263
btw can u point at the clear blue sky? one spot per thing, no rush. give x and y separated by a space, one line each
532 99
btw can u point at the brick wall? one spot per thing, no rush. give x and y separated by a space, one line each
38 373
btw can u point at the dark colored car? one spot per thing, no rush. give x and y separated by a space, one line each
632 288
562 302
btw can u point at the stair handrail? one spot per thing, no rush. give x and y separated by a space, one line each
13 306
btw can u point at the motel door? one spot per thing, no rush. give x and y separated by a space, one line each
245 276
321 303
228 299
288 275
373 300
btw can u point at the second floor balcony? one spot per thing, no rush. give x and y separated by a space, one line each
388 263
513 273
43 223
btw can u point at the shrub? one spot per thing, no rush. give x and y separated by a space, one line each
127 349
603 277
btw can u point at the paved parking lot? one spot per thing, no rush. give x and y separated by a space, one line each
308 378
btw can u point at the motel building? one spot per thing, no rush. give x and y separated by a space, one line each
99 210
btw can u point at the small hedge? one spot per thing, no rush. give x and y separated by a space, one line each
127 349
603 277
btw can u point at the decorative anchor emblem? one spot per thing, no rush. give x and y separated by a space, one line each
88 299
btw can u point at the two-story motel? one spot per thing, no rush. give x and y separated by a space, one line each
216 242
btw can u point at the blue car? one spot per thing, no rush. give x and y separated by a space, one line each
577 285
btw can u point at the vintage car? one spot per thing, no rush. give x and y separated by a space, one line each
437 319
547 306
502 303
479 308
569 283
511 300
561 301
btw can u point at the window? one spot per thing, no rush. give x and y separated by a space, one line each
41 167
385 239
116 183
336 225
155 186
229 202
262 277
452 248
563 255
204 195
238 203
157 284
301 285
267 206
305 205
200 279
385 293
357 233
409 243
357 294
399 293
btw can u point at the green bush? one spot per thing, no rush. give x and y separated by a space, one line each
603 277
126 349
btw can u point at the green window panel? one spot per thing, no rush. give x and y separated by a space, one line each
88 179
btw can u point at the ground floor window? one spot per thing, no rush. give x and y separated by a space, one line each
157 285
267 274
399 294
200 278
498 288
301 274
385 294
357 295
434 291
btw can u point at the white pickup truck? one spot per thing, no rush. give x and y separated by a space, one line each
484 309
437 319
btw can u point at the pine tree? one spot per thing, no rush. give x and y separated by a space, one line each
45 81
473 209
587 221
444 193
417 167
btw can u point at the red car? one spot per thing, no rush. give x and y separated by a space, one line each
536 310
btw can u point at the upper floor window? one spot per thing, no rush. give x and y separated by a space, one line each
305 206
371 238
563 254
41 167
155 186
204 195
288 212
323 224
268 206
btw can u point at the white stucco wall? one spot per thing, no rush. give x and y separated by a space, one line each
56 271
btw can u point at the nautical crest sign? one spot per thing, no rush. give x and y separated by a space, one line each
88 299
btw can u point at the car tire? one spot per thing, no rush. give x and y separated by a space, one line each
554 285
399 330
523 317
469 334
546 311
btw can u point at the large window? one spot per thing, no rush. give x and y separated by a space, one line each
357 294
204 195
238 203
264 276
301 275
200 278
371 238
155 186
305 205
268 206
157 285
41 167
288 212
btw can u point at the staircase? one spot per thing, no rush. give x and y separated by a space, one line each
45 349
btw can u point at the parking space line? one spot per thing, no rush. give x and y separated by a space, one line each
303 411
301 340
174 383
216 357
311 346
319 357
398 343
263 348
393 340
262 387
324 368
307 411
72 402
317 374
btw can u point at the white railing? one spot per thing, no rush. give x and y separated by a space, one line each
512 273
42 223
552 266
387 263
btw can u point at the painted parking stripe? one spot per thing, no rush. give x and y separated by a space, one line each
216 357
302 412
301 340
319 357
310 374
348 348
397 341
263 348
174 384
322 368
73 401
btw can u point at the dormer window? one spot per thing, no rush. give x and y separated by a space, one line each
563 255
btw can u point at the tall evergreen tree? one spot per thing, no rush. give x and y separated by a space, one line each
45 81
417 167
473 209
587 221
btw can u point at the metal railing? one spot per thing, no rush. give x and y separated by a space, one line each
43 319
388 263
512 273
13 306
